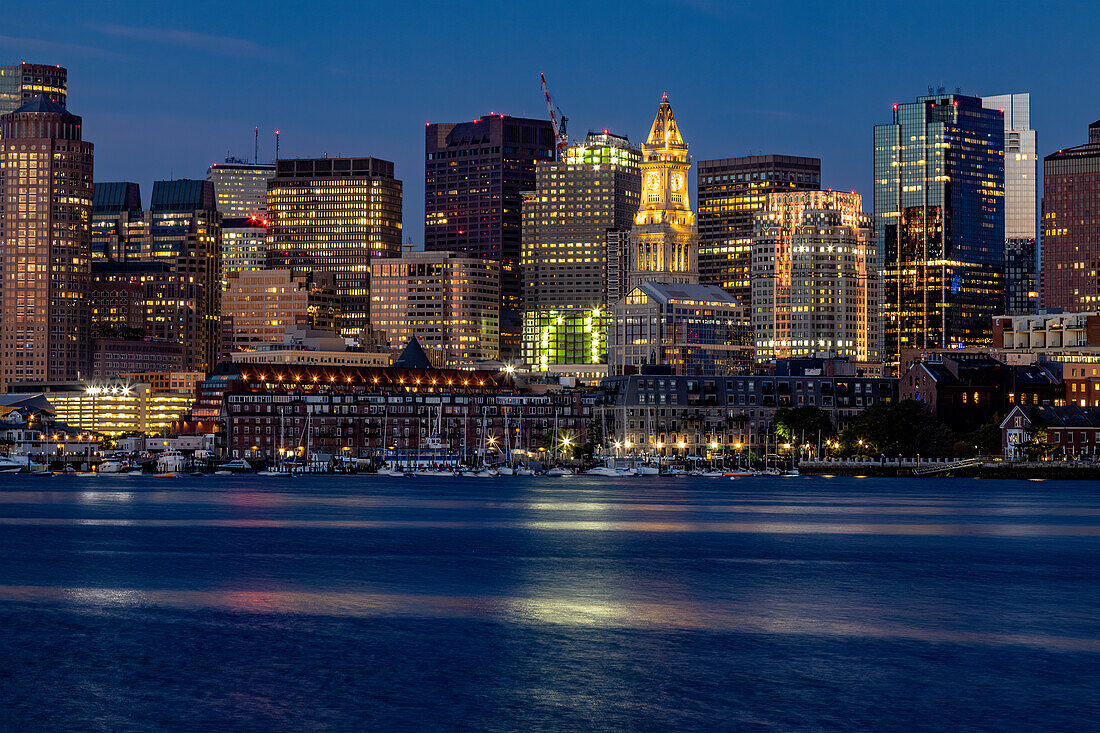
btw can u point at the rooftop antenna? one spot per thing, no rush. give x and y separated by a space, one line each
255 145
276 146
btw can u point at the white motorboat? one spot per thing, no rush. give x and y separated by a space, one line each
559 471
10 465
524 471
712 474
505 471
647 471
602 471
485 473
237 465
387 471
171 461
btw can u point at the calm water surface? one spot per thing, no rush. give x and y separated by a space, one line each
362 603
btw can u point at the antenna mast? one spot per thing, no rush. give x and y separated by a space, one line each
255 145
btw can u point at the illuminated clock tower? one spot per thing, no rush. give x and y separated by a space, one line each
664 244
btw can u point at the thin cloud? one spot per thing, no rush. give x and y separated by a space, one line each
201 41
57 47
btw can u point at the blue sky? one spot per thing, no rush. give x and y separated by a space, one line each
167 88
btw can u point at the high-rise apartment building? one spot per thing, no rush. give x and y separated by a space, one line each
815 290
576 200
46 200
21 83
731 191
664 243
335 215
244 246
447 301
118 223
1021 258
475 174
939 222
1071 226
240 187
260 306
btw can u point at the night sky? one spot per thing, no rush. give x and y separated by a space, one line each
165 89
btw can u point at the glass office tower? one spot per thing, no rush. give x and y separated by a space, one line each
1021 223
939 222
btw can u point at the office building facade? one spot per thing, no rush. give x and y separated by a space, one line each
449 302
565 254
118 222
475 175
244 246
730 193
23 82
240 187
814 283
1071 226
1021 155
335 215
46 200
664 244
690 328
939 222
259 307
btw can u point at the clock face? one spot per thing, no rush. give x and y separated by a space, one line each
653 181
677 181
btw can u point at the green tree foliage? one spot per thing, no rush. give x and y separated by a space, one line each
798 423
897 428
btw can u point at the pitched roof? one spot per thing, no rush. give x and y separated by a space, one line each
42 104
664 131
413 357
664 292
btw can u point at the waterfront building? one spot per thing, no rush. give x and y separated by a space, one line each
46 200
1071 431
653 413
693 329
1071 237
259 306
731 191
967 390
815 289
23 82
939 222
447 301
475 174
1021 156
397 412
335 215
111 406
240 187
663 241
312 357
118 223
244 246
566 219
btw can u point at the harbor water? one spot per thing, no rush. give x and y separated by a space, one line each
538 603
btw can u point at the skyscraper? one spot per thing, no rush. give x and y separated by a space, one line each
475 174
20 83
448 302
1071 226
46 200
663 241
939 222
118 225
731 191
240 187
565 223
184 232
1021 258
244 246
814 285
335 215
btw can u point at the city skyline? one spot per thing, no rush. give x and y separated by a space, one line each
372 99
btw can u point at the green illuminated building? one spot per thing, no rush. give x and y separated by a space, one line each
595 188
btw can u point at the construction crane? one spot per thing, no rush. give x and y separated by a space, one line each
557 119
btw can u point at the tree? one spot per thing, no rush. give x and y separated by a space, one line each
801 423
897 428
